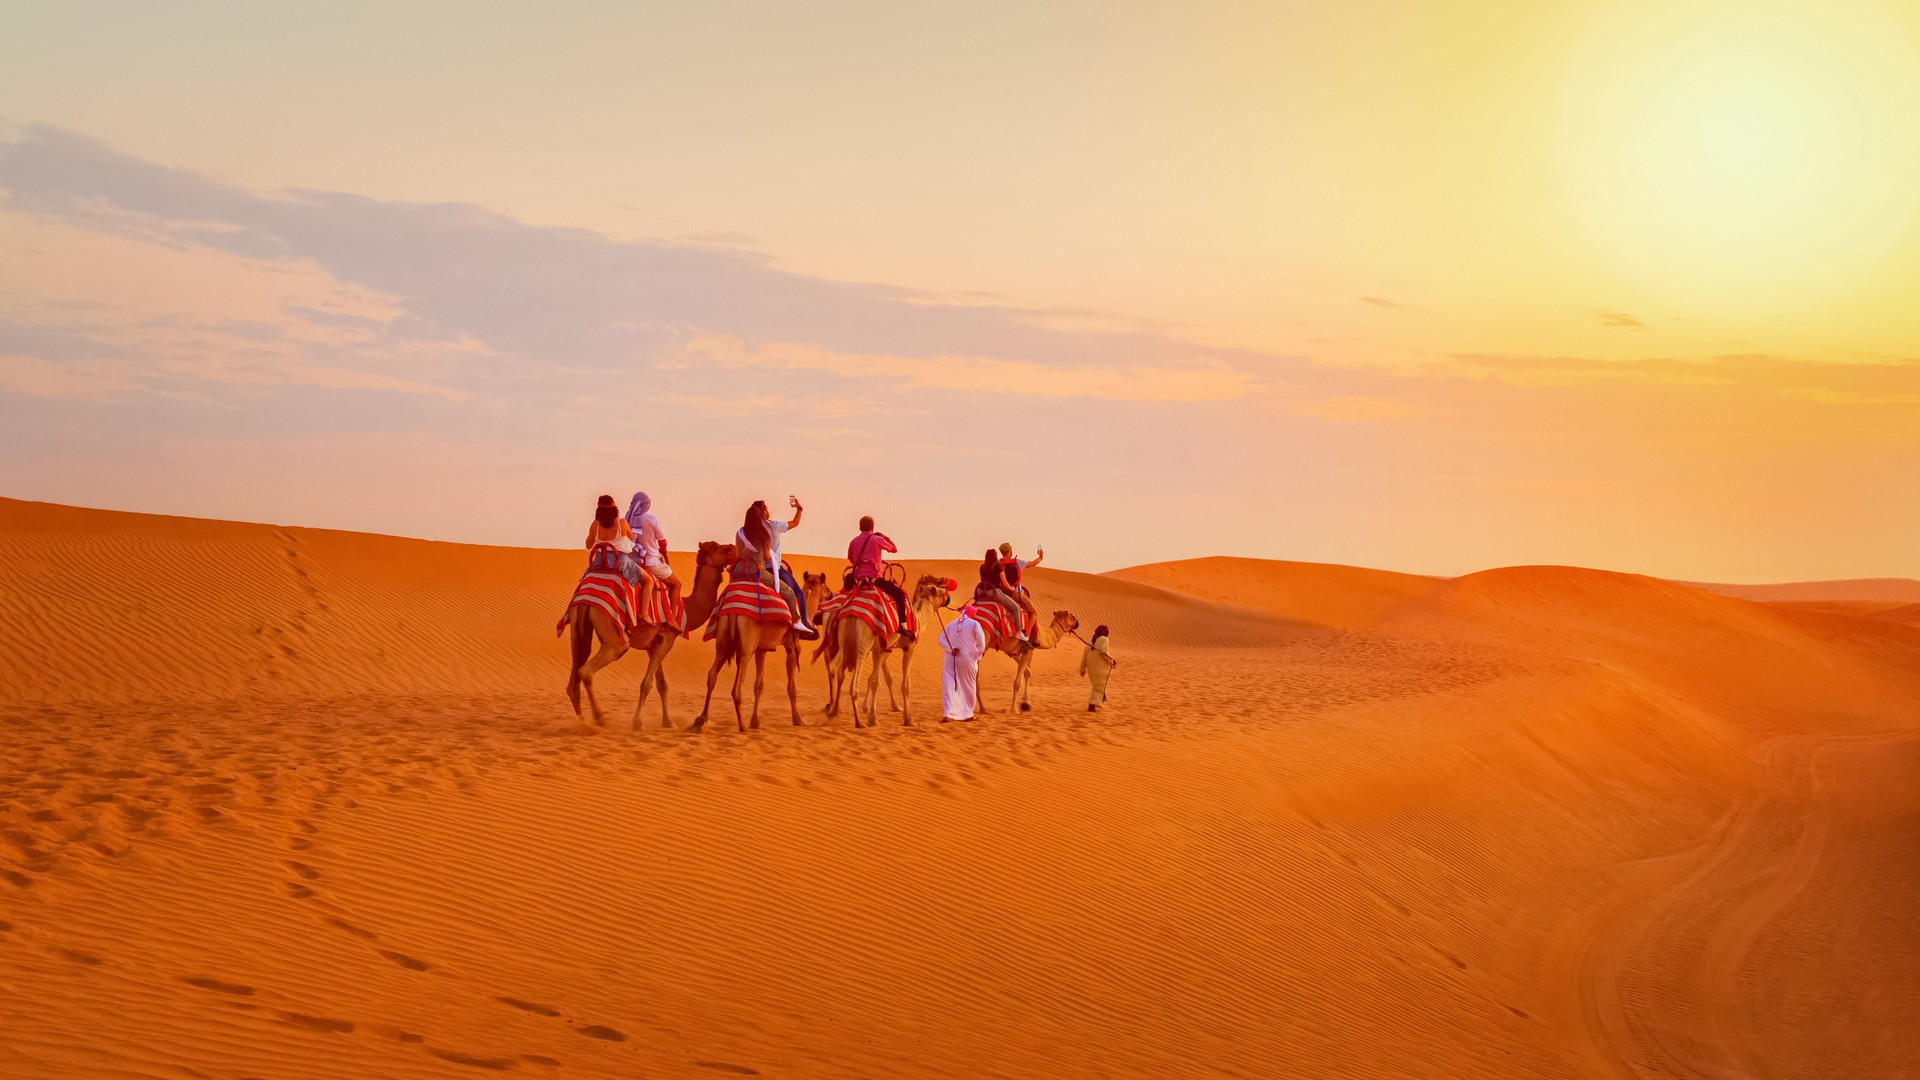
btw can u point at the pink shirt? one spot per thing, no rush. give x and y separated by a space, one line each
866 553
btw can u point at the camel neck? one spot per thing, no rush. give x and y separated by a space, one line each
706 590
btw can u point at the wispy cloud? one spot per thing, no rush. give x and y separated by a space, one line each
985 375
1619 320
566 296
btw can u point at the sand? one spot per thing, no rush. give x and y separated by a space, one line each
299 805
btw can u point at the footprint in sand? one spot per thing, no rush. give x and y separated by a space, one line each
303 870
406 961
596 1031
528 1006
297 891
217 986
342 924
472 1061
728 1067
319 1023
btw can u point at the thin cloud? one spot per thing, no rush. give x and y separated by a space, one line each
1382 302
1620 320
988 375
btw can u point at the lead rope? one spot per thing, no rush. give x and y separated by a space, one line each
1111 662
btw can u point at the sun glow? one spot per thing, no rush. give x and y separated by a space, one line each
1742 157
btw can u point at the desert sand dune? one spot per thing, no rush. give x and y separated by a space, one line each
1313 593
1851 590
297 808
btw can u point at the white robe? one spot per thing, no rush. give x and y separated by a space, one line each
962 644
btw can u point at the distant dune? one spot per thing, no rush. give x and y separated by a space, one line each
307 804
1317 594
1857 591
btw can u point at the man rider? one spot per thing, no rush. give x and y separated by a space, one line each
1012 568
867 555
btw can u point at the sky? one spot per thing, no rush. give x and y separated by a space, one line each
1429 286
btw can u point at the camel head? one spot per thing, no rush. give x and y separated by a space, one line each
815 585
717 555
933 589
1064 619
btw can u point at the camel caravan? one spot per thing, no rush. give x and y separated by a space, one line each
747 602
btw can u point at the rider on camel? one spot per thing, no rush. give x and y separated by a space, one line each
608 531
759 557
1014 570
650 547
866 554
995 588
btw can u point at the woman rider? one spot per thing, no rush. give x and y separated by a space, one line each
610 547
650 544
758 542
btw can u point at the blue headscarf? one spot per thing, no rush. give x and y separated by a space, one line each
641 504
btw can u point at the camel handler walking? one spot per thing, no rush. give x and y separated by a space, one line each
962 644
1097 664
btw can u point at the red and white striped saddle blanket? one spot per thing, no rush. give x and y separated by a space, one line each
608 592
611 594
999 624
754 599
871 606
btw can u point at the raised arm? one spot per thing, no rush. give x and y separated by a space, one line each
798 511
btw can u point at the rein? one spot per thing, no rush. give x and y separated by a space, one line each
1111 662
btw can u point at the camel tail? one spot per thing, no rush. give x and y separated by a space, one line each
581 645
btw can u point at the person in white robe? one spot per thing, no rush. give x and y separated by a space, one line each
962 644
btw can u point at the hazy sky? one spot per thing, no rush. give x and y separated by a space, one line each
1432 286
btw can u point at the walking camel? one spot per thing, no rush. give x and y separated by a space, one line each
846 640
1063 623
737 637
588 622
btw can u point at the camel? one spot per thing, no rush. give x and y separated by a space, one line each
845 641
1047 637
814 591
735 638
588 622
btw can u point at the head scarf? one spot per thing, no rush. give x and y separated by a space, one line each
641 504
969 611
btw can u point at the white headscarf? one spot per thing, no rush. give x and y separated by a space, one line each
641 504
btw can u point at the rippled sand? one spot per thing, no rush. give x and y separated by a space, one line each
303 807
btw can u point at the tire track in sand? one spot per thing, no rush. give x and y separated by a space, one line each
1655 960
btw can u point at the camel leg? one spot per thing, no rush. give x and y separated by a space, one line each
656 677
611 649
793 681
713 678
579 645
1019 669
873 684
739 677
892 704
1024 679
906 672
854 700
